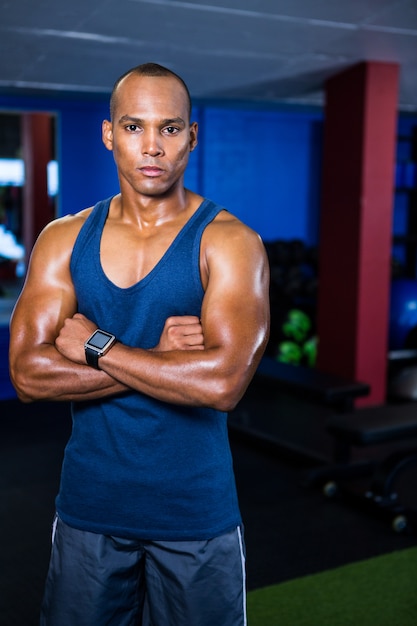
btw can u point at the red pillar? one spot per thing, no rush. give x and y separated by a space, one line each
356 224
37 152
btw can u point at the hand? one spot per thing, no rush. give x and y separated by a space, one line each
72 337
181 333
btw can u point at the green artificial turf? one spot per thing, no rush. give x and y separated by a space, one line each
377 592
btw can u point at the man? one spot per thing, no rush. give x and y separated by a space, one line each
150 313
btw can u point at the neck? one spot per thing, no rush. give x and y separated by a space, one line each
149 211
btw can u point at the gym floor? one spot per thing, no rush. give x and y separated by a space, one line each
290 530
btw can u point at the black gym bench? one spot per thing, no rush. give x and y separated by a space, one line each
371 427
322 389
348 428
319 386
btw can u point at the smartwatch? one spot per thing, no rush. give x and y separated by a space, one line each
97 345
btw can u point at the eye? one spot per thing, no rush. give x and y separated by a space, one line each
132 128
171 130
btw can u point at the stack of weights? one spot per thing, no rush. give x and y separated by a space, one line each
293 294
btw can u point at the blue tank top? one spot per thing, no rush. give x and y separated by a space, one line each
134 466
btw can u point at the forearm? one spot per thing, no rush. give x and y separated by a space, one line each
200 378
44 374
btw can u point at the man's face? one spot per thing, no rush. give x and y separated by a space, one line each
150 134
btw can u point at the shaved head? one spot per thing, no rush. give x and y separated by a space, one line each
147 69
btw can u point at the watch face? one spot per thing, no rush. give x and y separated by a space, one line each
99 339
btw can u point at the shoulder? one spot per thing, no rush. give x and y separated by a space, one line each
68 223
64 230
232 251
53 247
48 269
226 231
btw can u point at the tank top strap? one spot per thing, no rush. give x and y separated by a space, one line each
90 233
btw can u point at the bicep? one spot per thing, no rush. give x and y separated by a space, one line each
47 297
235 313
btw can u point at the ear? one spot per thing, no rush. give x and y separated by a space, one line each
107 134
193 135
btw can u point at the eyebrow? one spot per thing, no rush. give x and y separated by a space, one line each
140 122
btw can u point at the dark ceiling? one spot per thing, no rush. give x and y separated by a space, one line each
275 50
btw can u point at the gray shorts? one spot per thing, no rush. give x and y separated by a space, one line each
98 580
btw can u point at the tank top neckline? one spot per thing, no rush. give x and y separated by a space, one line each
148 277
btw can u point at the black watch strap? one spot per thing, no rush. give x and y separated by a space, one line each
91 356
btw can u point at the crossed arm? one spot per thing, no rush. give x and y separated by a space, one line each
200 363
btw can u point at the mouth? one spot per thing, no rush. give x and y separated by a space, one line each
150 170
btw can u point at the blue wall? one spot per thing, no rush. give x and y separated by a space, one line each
87 168
405 180
262 165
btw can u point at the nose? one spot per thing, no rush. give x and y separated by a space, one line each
152 145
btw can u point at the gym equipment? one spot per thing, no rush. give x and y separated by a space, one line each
369 427
293 286
403 384
297 345
327 390
319 386
403 312
370 484
402 356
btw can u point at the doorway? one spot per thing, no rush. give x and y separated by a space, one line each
29 188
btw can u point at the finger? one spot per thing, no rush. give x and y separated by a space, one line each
182 320
178 331
194 339
190 330
79 316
